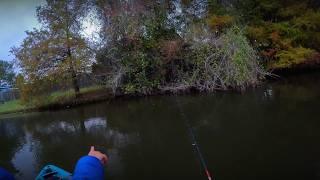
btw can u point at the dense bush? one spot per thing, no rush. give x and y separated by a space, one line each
146 53
224 62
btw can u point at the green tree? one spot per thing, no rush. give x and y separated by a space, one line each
136 31
6 71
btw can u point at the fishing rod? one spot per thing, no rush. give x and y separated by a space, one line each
194 142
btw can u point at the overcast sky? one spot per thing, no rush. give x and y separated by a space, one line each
16 16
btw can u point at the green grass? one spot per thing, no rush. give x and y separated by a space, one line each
58 96
11 106
91 89
70 93
66 95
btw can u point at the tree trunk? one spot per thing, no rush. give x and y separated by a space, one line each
73 73
75 83
74 77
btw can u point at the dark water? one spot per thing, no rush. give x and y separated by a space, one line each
272 132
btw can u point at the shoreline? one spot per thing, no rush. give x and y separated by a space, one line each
101 95
105 94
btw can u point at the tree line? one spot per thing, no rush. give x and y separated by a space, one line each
7 75
143 47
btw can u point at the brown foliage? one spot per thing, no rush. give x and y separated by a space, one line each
269 53
170 49
220 22
314 59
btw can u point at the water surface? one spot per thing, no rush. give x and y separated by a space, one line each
272 132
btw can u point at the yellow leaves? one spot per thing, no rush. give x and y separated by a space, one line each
279 46
219 22
256 31
291 57
309 21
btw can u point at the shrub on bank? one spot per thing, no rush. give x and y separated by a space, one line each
203 61
224 62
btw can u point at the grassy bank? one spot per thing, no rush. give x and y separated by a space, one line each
11 107
60 99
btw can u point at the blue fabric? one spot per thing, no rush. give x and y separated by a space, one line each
5 175
88 167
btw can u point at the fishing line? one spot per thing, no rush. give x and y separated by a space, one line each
194 142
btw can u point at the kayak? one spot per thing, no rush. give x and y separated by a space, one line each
53 173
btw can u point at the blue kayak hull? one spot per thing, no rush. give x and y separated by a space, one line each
53 172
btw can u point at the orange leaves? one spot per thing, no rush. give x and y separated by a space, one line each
275 37
170 49
269 53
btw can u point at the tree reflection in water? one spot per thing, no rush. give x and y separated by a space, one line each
58 138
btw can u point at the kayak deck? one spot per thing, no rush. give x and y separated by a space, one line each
53 173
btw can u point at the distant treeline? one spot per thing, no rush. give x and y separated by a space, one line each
142 46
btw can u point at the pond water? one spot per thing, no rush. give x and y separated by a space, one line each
271 132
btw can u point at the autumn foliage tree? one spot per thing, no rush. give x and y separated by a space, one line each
57 51
285 32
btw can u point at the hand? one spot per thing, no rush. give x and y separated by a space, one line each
102 157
